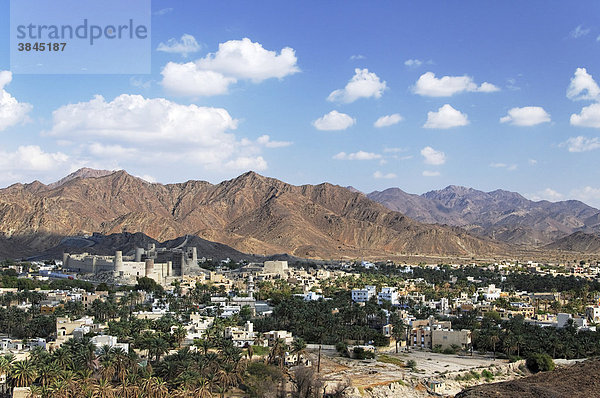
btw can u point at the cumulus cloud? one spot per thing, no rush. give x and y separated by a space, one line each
581 144
588 117
429 173
388 120
246 163
579 31
150 130
134 118
586 194
526 116
433 157
509 167
334 120
245 59
583 86
235 60
446 86
31 158
384 176
266 141
184 46
413 63
187 80
446 117
364 84
12 112
546 194
360 155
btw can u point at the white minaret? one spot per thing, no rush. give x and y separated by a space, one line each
250 286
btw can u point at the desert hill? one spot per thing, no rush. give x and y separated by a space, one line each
250 213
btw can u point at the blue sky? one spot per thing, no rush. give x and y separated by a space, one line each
483 94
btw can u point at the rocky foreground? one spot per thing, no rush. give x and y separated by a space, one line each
579 380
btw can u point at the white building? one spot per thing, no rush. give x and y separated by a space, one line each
388 294
363 295
241 337
110 341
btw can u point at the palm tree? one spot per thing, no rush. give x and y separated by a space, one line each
203 390
46 372
277 353
104 389
298 348
179 334
22 373
493 339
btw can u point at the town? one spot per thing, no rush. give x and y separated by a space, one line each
168 320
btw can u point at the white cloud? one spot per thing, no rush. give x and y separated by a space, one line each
547 194
413 63
111 151
526 116
364 84
582 144
184 46
433 157
134 118
360 155
429 173
583 86
246 163
163 11
187 80
265 140
384 176
140 83
244 59
388 120
147 178
509 167
532 162
394 150
31 158
586 194
235 60
579 31
334 120
12 112
589 116
357 56
445 118
135 129
446 86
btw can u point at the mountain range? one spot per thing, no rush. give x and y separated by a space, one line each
501 215
250 213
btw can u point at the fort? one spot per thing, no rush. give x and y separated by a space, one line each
160 264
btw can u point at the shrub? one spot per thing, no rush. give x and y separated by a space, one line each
487 374
342 348
539 363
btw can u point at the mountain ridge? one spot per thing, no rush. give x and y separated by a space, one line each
502 215
250 213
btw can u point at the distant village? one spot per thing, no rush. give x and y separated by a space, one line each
403 310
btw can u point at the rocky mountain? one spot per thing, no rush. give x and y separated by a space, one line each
250 213
575 381
501 215
84 172
577 242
